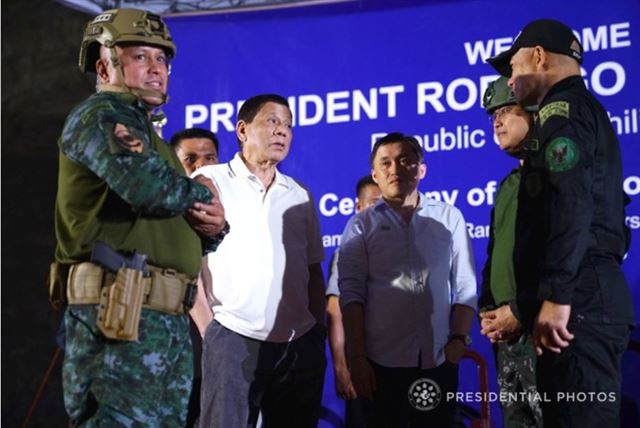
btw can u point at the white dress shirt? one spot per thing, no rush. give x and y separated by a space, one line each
332 284
407 277
260 272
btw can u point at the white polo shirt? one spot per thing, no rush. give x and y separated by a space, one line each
260 271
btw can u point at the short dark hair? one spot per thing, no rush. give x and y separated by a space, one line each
252 106
193 133
397 137
365 181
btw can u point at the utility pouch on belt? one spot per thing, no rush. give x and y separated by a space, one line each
171 292
120 302
57 283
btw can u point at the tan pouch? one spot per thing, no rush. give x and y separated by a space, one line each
121 305
84 284
167 291
57 284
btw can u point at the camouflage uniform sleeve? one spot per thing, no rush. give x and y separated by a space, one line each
568 136
114 142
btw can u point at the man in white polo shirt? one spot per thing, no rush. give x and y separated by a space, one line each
264 351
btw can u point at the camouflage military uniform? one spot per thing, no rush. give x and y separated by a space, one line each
515 360
121 184
517 381
137 384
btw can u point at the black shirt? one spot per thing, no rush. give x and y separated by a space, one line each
570 231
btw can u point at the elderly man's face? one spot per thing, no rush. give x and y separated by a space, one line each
267 138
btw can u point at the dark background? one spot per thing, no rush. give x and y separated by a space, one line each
41 83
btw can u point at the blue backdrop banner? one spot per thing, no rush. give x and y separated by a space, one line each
355 71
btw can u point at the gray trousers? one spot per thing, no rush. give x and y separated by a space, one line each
242 377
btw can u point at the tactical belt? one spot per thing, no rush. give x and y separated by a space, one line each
165 290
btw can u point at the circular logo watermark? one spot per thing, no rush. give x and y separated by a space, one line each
425 394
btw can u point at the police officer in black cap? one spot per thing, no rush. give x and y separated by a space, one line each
570 232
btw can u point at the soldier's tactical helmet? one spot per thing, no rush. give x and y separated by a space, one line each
118 26
498 94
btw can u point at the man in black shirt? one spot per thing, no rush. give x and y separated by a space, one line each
570 232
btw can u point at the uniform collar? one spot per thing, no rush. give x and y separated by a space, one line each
126 98
563 85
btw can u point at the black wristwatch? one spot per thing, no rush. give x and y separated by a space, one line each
466 339
210 244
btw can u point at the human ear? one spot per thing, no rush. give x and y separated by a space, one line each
102 70
423 170
541 57
241 131
374 176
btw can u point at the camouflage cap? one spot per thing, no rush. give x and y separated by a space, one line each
117 26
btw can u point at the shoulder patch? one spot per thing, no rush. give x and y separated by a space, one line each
126 138
556 108
561 155
123 132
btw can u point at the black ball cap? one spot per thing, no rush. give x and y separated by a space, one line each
552 35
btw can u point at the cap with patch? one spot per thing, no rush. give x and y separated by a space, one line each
552 35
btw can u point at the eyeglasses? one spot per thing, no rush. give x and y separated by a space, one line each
498 113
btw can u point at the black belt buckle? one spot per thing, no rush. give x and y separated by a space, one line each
190 295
